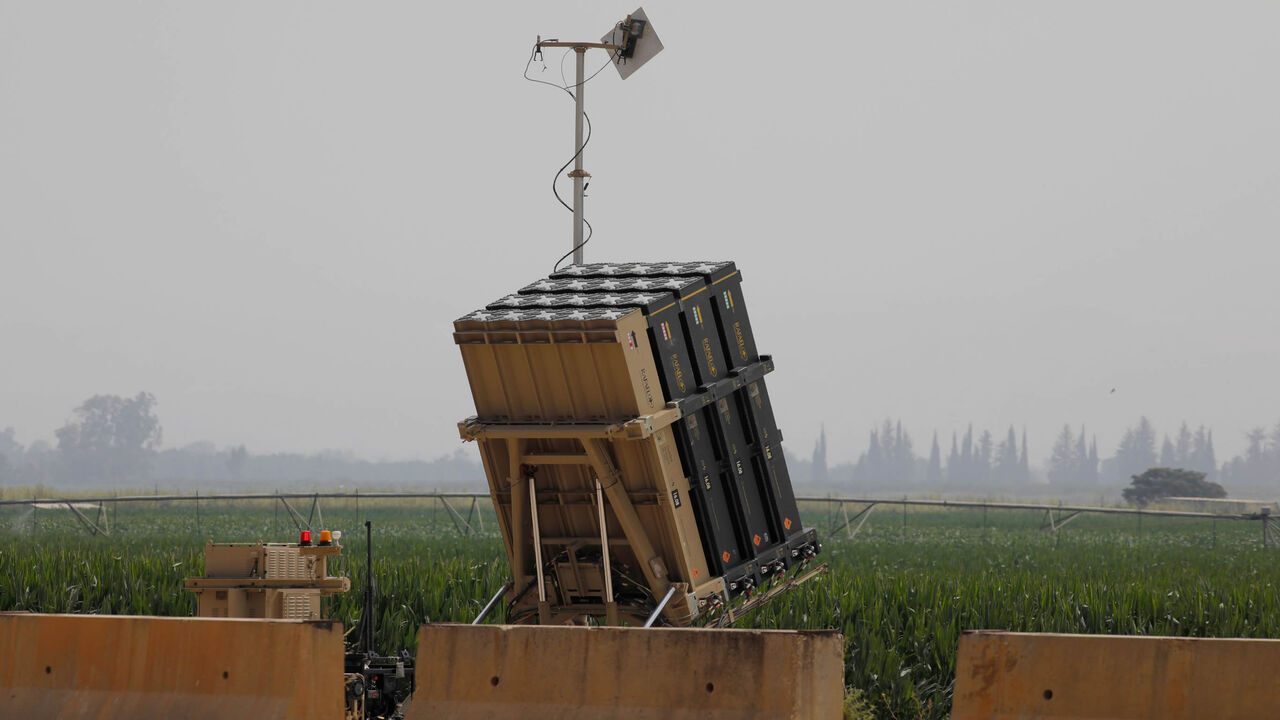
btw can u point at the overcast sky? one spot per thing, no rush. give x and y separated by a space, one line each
268 213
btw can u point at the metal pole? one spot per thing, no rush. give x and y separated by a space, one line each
604 546
578 174
537 539
366 615
866 514
661 606
316 513
488 608
197 512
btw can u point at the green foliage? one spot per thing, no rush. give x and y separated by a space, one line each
856 706
111 440
901 596
1159 482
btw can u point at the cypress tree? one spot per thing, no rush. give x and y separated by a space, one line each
1093 462
953 462
904 457
935 462
1006 469
965 470
874 460
1024 464
820 458
982 469
1210 459
1081 456
1168 457
1062 463
1184 449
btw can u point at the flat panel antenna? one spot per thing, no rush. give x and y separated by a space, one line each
637 41
630 43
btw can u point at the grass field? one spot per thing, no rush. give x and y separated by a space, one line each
901 591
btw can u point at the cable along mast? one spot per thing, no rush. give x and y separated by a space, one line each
630 43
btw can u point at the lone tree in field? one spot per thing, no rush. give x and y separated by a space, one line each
111 440
1161 482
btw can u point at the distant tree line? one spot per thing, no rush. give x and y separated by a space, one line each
1260 463
1137 452
112 442
891 460
1074 462
983 463
108 439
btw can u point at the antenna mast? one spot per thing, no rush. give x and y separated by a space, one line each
631 43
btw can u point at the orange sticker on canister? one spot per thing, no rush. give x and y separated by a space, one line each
756 539
726 556
695 573
786 523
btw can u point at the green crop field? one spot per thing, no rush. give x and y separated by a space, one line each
901 591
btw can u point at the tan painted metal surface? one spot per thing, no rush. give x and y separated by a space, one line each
570 402
1002 676
98 666
523 671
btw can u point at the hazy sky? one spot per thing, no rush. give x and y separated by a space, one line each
268 213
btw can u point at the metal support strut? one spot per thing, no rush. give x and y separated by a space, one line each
611 607
493 602
544 612
860 518
661 606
